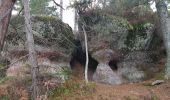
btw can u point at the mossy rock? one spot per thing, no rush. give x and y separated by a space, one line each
48 32
104 29
140 37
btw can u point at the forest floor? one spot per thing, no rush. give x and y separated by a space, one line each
74 90
135 91
140 91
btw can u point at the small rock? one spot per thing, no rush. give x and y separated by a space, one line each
157 82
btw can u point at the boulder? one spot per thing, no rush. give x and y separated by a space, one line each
138 66
107 33
103 73
50 33
54 64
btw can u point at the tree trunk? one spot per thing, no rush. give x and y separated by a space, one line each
87 56
75 20
61 9
163 14
6 7
104 4
32 53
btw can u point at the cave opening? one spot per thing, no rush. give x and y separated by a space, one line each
113 65
78 61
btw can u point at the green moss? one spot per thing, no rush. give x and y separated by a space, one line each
138 31
46 18
49 31
97 19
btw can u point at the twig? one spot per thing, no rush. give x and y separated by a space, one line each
21 10
58 4
19 59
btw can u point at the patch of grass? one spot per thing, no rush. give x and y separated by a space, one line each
154 97
2 66
161 75
147 84
5 97
4 79
71 88
65 73
129 98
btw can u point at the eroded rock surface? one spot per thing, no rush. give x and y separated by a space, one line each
103 73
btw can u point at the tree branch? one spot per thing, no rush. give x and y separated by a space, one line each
58 4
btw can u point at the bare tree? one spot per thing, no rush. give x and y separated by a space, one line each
32 53
6 7
61 9
87 56
104 4
75 19
163 14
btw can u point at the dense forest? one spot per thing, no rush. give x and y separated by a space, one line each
116 50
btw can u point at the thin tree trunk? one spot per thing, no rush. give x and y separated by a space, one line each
104 4
87 56
32 53
75 20
61 9
6 7
163 14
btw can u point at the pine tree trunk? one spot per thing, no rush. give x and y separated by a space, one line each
61 9
163 14
6 7
75 19
32 53
104 4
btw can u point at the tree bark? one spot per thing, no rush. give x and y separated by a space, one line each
6 7
75 20
87 56
163 15
31 49
61 9
104 4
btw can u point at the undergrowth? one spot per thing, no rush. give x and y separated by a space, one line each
70 88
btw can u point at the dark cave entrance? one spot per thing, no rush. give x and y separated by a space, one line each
78 61
113 65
